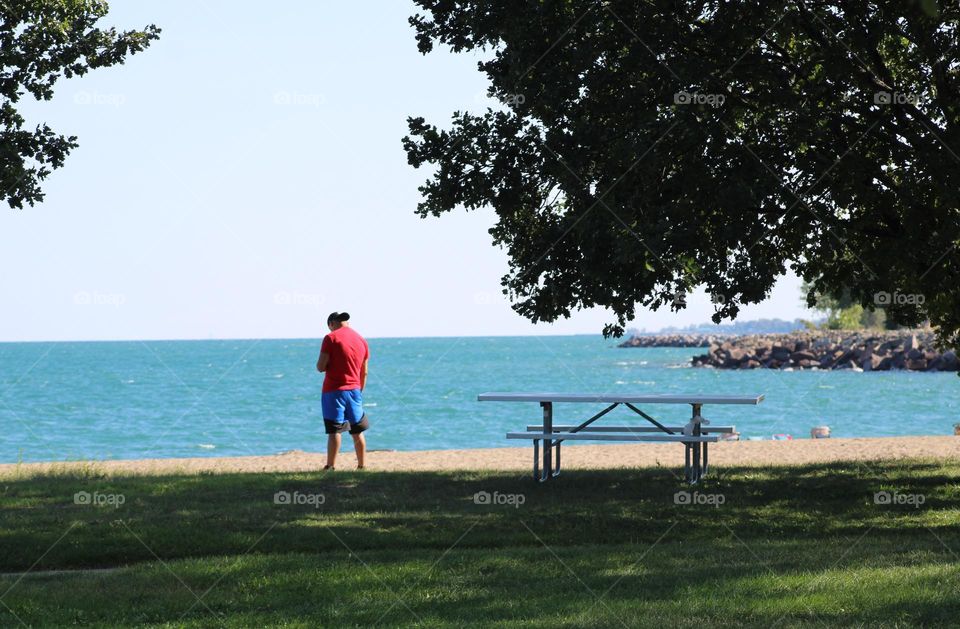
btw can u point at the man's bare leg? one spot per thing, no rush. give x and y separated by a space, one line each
333 447
360 445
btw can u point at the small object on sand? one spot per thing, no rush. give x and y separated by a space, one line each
782 437
820 432
956 429
729 436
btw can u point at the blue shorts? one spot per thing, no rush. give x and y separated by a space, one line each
340 407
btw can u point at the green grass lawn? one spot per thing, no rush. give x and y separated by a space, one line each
801 546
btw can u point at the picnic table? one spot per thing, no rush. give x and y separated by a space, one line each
695 435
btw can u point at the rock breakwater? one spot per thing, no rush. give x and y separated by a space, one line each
866 350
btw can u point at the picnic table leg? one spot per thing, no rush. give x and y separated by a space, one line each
536 460
547 443
556 462
697 459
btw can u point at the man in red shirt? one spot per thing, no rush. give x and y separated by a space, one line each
343 357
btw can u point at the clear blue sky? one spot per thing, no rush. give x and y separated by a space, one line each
244 176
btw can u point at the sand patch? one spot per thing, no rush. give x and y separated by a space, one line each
750 453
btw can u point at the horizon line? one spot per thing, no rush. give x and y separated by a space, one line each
297 338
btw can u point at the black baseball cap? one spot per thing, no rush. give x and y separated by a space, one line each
339 317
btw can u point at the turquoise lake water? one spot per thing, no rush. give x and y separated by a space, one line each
65 401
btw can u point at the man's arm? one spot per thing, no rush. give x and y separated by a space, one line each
363 375
323 361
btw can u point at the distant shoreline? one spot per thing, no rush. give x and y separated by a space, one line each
670 455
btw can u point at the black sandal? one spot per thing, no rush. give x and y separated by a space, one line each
328 467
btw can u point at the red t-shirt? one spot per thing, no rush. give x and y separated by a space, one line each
347 351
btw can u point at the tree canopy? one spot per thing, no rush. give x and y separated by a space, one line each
40 42
642 149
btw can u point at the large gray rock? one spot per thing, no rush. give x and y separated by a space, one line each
899 360
949 361
870 361
889 345
780 353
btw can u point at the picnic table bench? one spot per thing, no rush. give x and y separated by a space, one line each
695 435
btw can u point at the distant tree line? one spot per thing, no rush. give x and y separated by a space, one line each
843 312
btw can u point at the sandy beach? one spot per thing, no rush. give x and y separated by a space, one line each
750 453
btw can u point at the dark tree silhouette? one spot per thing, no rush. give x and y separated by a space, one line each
643 149
40 42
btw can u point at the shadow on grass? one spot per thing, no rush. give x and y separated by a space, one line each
590 585
134 519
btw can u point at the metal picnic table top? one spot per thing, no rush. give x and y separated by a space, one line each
621 399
